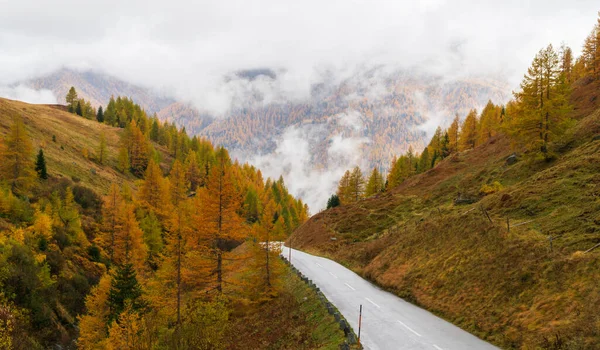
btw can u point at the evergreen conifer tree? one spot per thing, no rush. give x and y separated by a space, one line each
100 115
333 201
124 289
40 165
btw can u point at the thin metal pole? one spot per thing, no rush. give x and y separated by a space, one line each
290 252
359 322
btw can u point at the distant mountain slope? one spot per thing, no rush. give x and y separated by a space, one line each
98 88
364 119
389 112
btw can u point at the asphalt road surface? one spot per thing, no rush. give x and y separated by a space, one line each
388 322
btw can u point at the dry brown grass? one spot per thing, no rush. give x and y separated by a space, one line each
506 287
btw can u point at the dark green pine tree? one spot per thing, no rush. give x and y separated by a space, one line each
445 145
334 201
100 115
124 290
78 110
40 166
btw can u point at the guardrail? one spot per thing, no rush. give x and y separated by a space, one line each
351 339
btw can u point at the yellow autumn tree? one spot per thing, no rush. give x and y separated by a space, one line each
344 190
543 104
468 132
154 191
453 132
375 184
110 217
16 163
92 325
218 221
357 185
179 228
268 230
129 246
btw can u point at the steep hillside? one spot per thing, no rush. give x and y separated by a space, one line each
431 242
66 138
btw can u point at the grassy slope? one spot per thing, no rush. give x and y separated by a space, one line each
73 134
506 287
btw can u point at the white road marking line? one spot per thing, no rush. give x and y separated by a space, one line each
410 329
437 347
349 286
319 265
371 301
333 275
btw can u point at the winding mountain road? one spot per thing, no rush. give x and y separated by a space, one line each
388 322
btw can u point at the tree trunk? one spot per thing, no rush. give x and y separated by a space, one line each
268 268
219 271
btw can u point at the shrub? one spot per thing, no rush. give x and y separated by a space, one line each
491 188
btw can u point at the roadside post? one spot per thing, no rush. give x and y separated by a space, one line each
359 322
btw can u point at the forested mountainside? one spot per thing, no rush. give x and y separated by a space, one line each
385 108
128 233
495 226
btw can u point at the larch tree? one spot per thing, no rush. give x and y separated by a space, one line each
154 191
138 150
218 220
67 217
71 99
16 166
543 103
591 50
343 191
129 247
267 232
566 62
192 171
179 226
92 325
398 172
411 160
375 184
424 160
110 217
453 133
468 132
251 205
489 122
357 185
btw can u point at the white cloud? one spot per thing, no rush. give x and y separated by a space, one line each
188 47
26 94
293 159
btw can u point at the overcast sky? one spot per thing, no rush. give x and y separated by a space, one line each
186 48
